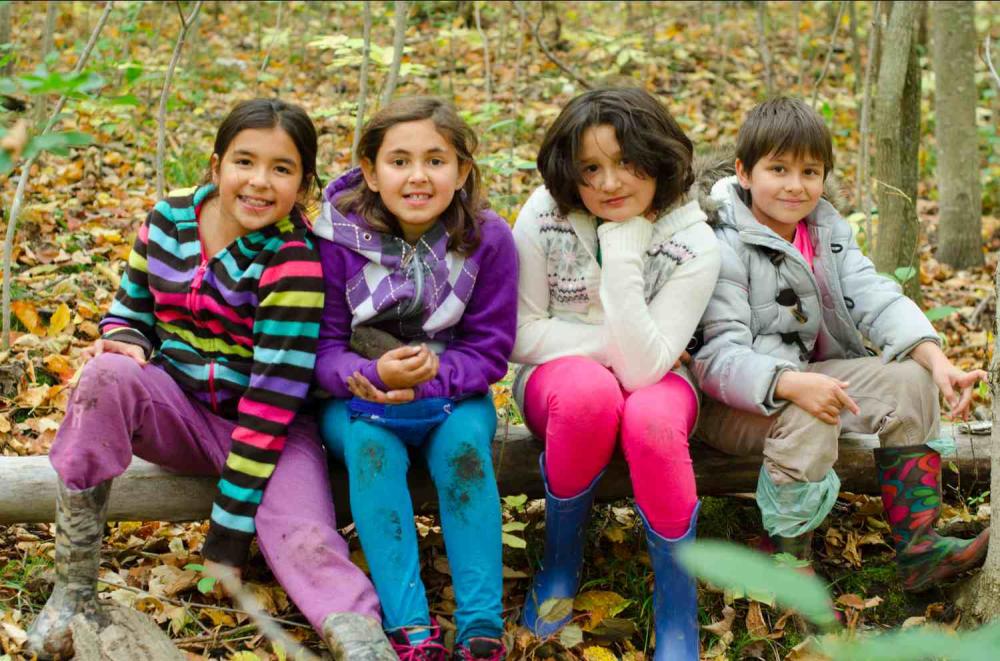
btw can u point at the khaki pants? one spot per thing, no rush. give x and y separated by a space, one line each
898 402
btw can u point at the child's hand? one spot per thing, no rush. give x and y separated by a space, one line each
363 388
407 367
819 395
950 379
133 351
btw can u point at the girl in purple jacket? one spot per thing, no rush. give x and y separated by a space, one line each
408 249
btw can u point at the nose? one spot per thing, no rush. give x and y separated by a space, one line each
258 177
609 181
793 181
417 173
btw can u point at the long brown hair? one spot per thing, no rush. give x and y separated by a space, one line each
460 217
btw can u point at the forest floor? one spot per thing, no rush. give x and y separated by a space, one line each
82 209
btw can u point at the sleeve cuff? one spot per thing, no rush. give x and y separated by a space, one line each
629 237
370 372
225 547
130 335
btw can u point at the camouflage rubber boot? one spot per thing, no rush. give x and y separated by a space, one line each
80 517
910 480
355 637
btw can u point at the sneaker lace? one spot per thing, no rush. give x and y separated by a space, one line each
429 649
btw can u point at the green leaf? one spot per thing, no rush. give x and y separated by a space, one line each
940 312
904 273
730 565
57 143
206 584
194 566
513 526
555 609
516 502
571 636
6 164
513 541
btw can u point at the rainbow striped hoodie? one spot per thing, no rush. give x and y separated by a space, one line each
237 330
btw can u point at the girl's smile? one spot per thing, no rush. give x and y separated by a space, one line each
614 190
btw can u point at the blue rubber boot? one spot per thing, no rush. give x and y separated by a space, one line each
549 604
675 596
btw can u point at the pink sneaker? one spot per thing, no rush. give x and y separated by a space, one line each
429 649
485 649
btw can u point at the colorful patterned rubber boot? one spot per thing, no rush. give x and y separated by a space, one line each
484 649
356 637
675 595
429 649
549 604
80 517
910 478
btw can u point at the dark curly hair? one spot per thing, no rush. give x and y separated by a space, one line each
650 139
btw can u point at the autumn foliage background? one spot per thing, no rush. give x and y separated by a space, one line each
709 62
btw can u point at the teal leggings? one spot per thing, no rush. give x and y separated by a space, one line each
458 456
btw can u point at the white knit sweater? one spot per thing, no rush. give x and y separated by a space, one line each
636 313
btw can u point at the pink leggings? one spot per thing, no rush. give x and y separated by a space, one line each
580 409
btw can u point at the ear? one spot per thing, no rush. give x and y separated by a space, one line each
368 170
214 168
463 173
742 175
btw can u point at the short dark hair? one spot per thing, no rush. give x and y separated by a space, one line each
460 218
784 125
269 114
650 139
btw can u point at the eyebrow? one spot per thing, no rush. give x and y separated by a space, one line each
432 150
247 152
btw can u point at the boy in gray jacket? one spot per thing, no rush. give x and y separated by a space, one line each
783 362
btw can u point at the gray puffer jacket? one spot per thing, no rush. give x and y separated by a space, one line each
770 313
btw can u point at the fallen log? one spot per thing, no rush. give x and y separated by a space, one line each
148 493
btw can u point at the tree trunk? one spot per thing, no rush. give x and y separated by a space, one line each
363 85
981 596
897 135
6 16
953 55
762 47
402 8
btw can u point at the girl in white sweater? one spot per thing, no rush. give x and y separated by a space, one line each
617 265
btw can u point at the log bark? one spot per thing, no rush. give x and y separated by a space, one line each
146 492
131 635
953 54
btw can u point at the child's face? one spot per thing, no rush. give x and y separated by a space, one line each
416 173
784 189
259 179
614 190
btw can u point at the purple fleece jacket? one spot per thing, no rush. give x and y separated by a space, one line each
467 304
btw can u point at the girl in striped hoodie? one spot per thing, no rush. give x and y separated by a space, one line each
206 356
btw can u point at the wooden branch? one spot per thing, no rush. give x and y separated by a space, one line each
22 184
363 85
829 52
146 492
398 41
487 76
270 45
765 52
987 57
161 119
549 54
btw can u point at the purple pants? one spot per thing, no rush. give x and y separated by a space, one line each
119 409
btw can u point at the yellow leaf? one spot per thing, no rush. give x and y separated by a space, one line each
28 315
596 653
59 365
244 656
223 619
4 424
59 320
600 604
33 397
615 533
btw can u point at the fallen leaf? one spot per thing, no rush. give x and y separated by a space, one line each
725 624
27 314
59 320
571 636
595 653
756 626
599 604
15 139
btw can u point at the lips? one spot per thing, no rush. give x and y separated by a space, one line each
616 201
255 202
